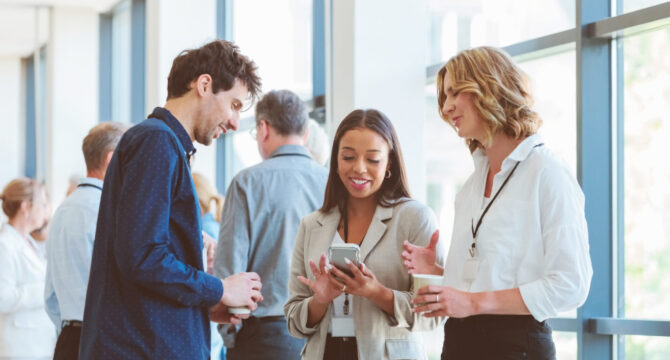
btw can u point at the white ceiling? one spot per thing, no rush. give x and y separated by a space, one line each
18 19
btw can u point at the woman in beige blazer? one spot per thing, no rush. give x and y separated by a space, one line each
25 329
367 202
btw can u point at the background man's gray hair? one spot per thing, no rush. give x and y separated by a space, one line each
100 140
284 111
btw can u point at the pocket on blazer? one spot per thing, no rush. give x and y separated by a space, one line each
403 349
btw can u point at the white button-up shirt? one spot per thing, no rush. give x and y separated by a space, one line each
533 237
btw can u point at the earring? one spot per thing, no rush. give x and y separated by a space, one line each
388 174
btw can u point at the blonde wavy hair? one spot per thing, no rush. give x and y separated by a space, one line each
207 194
500 92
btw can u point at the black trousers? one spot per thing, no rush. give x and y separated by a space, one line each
338 348
503 337
67 346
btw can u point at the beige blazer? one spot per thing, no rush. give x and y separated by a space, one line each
379 336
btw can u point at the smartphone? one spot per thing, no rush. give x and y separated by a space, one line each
338 252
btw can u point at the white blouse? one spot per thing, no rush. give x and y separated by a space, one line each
534 236
342 319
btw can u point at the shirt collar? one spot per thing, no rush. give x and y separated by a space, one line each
519 154
91 181
291 150
174 124
524 148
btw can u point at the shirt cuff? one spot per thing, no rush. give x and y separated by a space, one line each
536 300
213 290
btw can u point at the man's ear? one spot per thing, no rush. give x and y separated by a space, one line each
108 158
264 129
203 84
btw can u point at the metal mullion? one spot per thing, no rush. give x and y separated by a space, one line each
552 42
138 57
630 23
224 146
611 326
564 324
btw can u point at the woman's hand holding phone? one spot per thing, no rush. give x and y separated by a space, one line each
323 288
363 282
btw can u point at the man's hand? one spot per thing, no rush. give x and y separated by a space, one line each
219 314
242 289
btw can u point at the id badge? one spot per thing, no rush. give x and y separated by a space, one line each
470 269
342 327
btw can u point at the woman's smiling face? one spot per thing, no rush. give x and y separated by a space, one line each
362 161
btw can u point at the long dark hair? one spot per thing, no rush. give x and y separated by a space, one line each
393 188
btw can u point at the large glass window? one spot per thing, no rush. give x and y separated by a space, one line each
632 5
277 35
121 79
553 85
646 81
456 25
283 53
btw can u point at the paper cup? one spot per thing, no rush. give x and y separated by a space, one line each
239 310
421 280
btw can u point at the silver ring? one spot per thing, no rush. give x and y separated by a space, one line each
437 298
344 288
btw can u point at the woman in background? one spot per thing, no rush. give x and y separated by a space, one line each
210 200
26 332
211 204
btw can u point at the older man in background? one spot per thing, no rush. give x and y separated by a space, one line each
263 208
70 241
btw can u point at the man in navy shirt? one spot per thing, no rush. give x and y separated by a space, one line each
148 295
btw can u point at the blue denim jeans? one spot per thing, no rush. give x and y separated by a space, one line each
265 338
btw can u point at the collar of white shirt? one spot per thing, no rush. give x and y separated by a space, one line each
519 154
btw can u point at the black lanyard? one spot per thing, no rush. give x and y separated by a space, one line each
90 185
474 229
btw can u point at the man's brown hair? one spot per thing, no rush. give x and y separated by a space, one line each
220 59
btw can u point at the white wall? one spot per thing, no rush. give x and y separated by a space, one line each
12 152
377 61
72 93
173 26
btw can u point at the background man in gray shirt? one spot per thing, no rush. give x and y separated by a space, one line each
261 215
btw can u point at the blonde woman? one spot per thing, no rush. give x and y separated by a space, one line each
211 204
210 201
519 251
25 328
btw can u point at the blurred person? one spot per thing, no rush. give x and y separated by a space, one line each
209 199
211 204
71 238
39 235
519 251
72 183
317 142
260 220
367 203
25 329
148 293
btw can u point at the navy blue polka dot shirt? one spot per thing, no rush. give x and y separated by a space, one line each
148 296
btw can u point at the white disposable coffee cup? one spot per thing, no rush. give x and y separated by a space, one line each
239 310
421 280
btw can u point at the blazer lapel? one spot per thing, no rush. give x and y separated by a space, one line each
321 237
375 231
